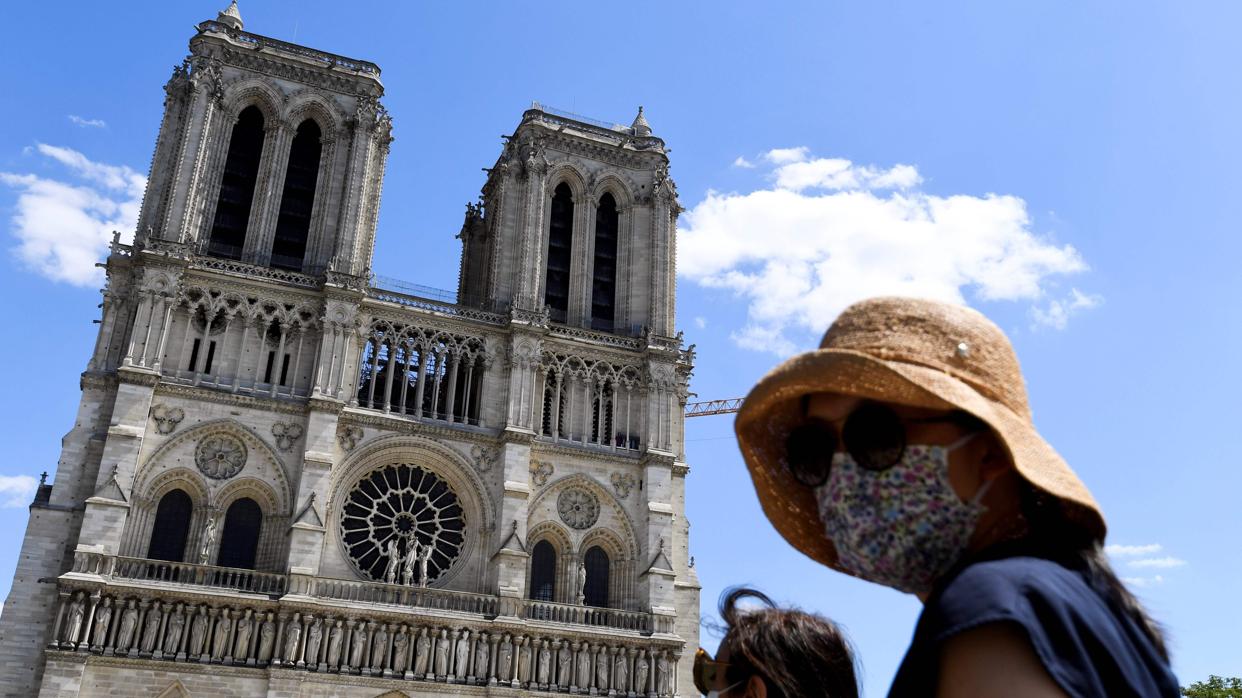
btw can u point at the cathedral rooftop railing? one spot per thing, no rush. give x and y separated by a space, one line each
260 42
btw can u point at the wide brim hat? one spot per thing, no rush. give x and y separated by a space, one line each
905 351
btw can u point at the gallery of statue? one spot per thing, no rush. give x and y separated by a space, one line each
287 477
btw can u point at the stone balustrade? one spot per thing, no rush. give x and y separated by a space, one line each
147 609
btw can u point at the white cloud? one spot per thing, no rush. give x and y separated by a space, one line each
1058 311
700 322
87 123
1157 562
784 156
16 490
743 163
1133 550
829 232
63 225
1143 582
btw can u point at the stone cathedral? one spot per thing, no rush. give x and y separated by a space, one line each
289 477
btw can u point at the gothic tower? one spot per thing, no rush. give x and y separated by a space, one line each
287 477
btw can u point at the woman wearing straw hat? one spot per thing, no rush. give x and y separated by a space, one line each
902 452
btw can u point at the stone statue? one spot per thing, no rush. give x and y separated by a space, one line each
394 562
662 675
620 671
545 664
314 637
401 651
411 560
524 660
129 622
357 645
220 638
584 666
504 659
267 638
172 634
442 654
150 629
462 653
198 632
241 645
379 648
77 611
601 669
293 636
103 618
422 654
641 671
209 540
581 584
423 558
481 655
564 665
334 643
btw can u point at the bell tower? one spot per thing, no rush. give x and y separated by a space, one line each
578 216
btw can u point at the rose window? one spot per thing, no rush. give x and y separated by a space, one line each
578 507
220 456
402 510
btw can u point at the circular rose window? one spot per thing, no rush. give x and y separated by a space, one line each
578 507
400 520
220 456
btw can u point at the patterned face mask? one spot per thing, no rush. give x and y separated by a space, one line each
903 527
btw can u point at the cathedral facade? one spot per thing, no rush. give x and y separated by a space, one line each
287 477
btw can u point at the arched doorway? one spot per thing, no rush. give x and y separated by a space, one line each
543 572
597 564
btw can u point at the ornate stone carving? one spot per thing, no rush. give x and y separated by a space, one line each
394 508
220 456
623 483
482 457
540 472
166 418
578 507
349 437
287 434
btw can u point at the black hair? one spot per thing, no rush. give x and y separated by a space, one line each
794 653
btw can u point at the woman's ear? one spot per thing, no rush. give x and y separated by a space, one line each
756 688
995 459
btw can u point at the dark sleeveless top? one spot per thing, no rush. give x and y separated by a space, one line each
1087 646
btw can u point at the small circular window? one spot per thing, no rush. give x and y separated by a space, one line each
399 519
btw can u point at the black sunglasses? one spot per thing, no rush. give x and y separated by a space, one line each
873 435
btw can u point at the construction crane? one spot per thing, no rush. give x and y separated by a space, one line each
707 408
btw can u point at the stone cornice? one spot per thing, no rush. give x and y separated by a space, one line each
268 404
406 425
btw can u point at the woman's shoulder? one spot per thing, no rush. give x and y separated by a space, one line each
1009 587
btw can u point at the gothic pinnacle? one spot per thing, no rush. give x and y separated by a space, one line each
231 16
640 127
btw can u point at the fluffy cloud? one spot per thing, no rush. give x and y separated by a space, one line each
1143 582
1157 562
86 123
63 225
743 163
16 490
827 232
1133 550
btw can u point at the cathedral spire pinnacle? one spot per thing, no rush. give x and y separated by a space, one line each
230 16
640 127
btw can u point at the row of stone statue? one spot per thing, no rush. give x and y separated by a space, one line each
400 570
188 632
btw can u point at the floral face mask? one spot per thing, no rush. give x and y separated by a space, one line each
903 527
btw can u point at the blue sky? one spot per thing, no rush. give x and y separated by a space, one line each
1068 168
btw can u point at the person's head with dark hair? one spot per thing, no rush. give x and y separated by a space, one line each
770 652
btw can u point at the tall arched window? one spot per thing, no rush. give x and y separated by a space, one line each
241 171
596 592
560 246
172 525
293 221
543 571
604 278
239 539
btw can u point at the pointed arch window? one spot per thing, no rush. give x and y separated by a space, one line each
543 571
597 564
241 171
172 526
239 540
604 277
560 247
297 199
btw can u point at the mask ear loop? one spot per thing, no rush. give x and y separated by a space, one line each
983 489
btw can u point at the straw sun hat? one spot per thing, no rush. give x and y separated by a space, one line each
910 352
